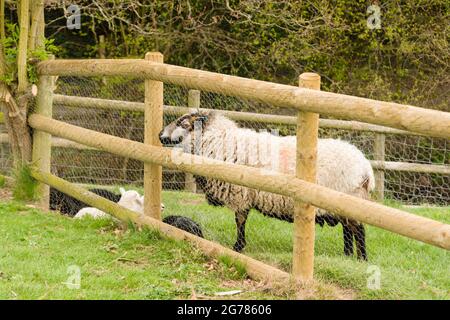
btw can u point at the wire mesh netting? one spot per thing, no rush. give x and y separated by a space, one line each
184 196
95 167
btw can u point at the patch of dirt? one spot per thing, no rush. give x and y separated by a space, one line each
5 194
315 290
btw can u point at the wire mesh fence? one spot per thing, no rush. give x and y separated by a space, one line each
267 239
97 168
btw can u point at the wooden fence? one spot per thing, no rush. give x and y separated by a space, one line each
307 100
380 132
379 164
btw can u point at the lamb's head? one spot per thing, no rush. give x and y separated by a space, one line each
132 200
181 129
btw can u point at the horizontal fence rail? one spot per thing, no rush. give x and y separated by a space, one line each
107 104
254 268
376 164
425 121
121 105
410 167
394 220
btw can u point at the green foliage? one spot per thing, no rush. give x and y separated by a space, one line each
407 60
25 185
10 45
40 54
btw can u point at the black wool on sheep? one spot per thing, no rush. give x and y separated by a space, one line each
185 224
68 205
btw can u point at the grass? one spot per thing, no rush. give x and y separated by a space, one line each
40 253
24 186
409 269
36 249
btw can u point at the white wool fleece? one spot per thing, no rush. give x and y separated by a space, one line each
340 165
130 199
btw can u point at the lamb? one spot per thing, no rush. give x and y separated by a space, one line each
340 166
91 212
130 199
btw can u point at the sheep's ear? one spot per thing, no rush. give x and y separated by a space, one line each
140 200
122 190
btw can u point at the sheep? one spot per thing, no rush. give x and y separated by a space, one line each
185 224
130 199
91 212
340 166
68 205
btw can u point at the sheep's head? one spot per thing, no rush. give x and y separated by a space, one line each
177 131
132 200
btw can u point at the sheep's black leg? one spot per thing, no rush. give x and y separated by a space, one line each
241 219
348 238
360 239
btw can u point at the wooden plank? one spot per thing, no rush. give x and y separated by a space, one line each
426 121
42 141
193 103
306 159
380 165
153 123
379 155
107 104
410 167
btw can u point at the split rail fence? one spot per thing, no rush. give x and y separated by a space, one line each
307 99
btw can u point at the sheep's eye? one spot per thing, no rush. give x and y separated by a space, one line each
182 120
185 124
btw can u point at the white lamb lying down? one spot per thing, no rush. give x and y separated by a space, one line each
130 199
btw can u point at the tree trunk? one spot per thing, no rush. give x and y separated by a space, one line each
14 103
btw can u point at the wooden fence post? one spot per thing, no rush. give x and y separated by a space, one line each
102 52
42 141
379 154
193 102
304 214
153 113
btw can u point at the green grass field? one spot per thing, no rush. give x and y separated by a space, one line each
409 269
38 252
36 249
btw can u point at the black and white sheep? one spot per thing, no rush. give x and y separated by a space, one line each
130 199
68 205
340 166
